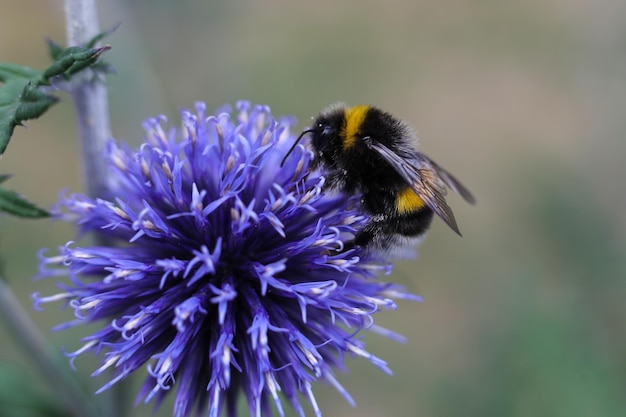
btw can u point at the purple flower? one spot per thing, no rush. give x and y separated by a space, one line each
223 272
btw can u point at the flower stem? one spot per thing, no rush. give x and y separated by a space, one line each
92 109
90 98
28 336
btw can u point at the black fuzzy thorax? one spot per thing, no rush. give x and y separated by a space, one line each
358 168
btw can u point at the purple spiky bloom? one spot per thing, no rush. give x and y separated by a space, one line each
223 272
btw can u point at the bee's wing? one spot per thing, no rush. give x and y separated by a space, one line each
426 178
449 180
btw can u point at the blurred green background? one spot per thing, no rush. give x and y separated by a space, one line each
525 101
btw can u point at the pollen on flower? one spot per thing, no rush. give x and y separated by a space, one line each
133 324
118 161
220 135
88 305
224 273
230 163
309 356
145 170
119 212
147 224
80 254
309 195
167 170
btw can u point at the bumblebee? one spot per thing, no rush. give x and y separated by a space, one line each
363 149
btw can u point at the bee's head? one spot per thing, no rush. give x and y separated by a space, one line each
324 132
326 135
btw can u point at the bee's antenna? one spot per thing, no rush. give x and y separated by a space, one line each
294 145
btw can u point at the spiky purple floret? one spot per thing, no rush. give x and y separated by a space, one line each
227 274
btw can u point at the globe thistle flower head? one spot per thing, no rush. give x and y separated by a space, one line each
223 273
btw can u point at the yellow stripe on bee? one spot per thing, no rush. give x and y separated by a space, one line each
354 117
408 202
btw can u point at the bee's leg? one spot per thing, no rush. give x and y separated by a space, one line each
365 236
377 235
362 239
349 245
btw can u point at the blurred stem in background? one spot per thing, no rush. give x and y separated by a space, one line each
35 346
90 97
89 93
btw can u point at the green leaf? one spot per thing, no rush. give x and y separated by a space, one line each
12 203
55 49
93 41
8 71
73 60
24 94
34 103
20 100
